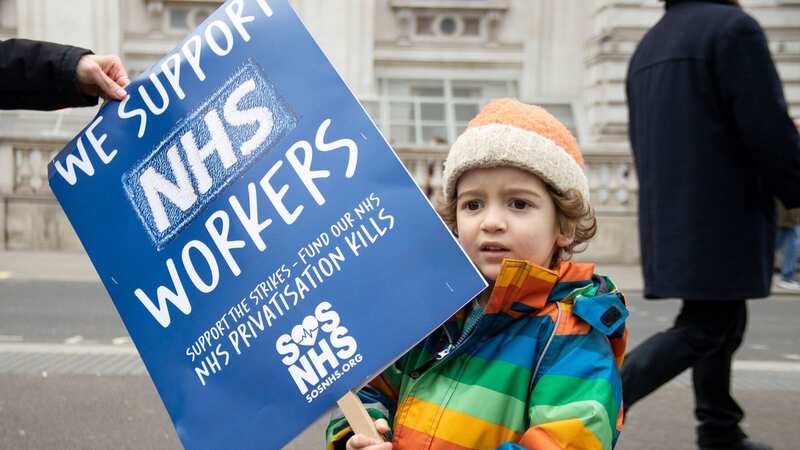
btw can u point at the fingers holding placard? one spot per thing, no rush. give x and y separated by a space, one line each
361 442
103 76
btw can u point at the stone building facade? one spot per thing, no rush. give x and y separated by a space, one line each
421 67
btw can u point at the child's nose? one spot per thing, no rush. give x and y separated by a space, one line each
493 222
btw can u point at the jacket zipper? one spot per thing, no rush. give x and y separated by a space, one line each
436 363
446 352
546 347
468 332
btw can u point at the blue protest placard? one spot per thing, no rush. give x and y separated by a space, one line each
264 246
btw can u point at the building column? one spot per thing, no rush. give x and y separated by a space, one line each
6 186
93 24
345 32
616 28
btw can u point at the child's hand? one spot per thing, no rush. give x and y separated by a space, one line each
361 442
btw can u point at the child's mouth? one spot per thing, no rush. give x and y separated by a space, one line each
493 248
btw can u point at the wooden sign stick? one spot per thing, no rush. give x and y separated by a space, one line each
357 416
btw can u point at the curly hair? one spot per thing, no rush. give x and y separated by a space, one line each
576 218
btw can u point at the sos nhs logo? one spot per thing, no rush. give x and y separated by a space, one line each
205 152
318 351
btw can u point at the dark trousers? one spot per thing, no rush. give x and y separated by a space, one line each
704 337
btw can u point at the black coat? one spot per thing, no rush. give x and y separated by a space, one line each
713 145
40 75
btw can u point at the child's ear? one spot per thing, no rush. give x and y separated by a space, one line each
566 235
563 240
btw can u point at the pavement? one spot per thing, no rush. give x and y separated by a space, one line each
71 379
46 266
76 266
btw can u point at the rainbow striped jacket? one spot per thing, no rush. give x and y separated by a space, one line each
537 368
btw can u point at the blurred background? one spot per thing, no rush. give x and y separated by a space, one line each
69 376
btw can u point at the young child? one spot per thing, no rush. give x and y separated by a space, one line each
532 362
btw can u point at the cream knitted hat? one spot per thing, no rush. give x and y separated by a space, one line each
507 132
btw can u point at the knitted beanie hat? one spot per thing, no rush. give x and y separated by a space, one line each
507 132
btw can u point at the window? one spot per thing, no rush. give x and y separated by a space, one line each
431 112
448 25
564 113
468 21
181 18
201 14
472 26
425 25
430 25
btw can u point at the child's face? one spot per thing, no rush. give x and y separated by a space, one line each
506 212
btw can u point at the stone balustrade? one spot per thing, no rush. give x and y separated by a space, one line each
612 179
30 169
33 220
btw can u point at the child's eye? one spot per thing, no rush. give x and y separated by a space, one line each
519 204
472 205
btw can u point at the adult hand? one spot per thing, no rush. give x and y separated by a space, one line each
361 442
102 76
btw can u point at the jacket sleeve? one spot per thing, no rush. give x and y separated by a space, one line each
40 75
750 88
379 397
576 399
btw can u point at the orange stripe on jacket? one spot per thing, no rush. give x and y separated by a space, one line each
537 438
520 282
569 271
455 426
569 434
406 438
570 324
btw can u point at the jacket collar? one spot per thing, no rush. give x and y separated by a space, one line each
522 287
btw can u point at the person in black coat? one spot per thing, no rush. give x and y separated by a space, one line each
47 76
713 144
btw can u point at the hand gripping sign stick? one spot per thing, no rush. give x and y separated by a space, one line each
357 416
